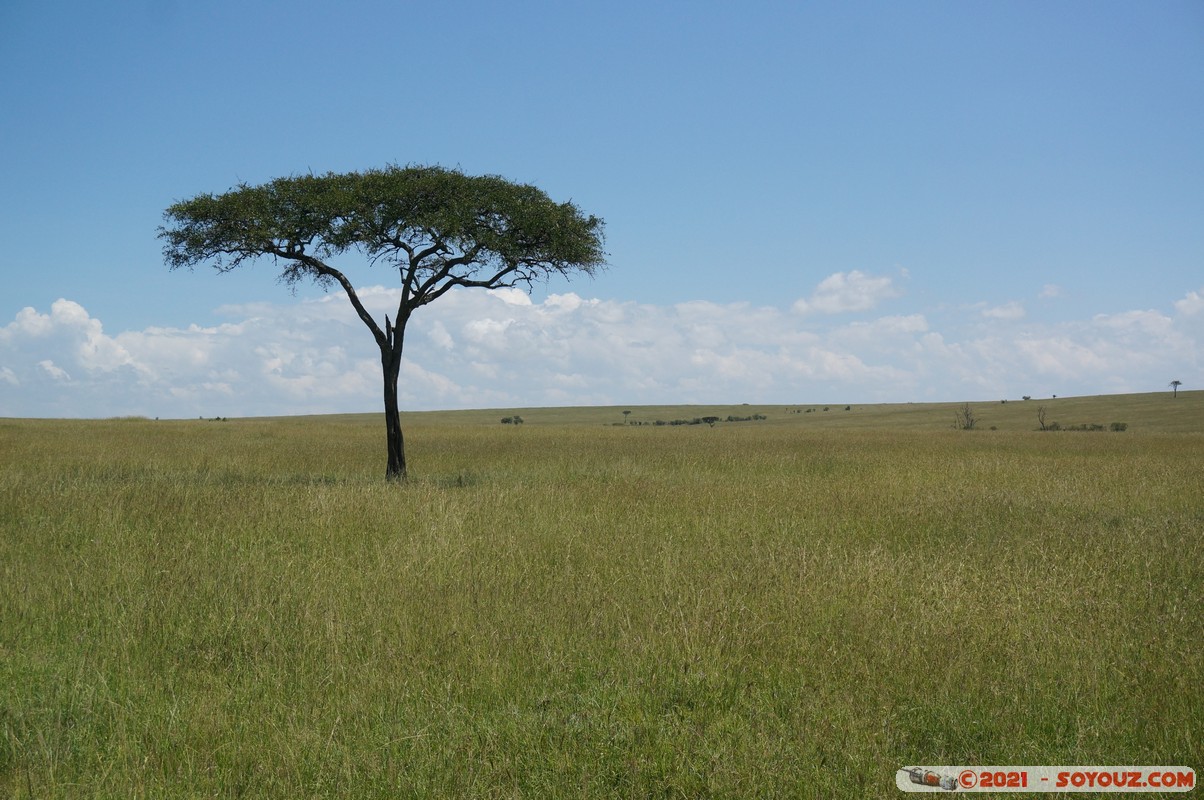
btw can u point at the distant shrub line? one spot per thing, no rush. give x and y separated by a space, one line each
701 420
1116 427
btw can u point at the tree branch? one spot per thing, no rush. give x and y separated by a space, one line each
495 282
422 294
328 271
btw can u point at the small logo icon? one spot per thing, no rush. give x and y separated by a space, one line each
926 777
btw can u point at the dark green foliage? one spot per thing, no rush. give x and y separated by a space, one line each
440 227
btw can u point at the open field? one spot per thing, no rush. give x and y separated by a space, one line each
793 607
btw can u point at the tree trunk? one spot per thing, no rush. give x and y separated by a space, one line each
391 363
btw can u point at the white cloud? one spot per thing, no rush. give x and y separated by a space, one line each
28 323
1049 291
845 292
1146 322
513 296
497 349
1007 311
1060 356
1192 303
55 372
440 336
884 331
561 302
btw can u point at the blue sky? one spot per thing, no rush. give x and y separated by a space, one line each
805 202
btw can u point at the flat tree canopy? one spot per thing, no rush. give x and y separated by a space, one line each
438 228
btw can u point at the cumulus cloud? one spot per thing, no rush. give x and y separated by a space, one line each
503 349
1192 303
844 292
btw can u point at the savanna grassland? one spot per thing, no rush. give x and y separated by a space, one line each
791 607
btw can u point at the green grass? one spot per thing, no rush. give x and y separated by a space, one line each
572 608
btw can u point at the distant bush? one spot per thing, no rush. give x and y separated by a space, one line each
1119 426
515 420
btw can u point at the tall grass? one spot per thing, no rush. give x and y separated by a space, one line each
565 609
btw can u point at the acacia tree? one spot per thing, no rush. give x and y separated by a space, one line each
1175 387
437 228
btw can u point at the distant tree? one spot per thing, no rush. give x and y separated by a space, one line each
1175 387
710 420
438 229
626 414
964 418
